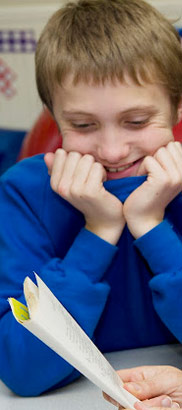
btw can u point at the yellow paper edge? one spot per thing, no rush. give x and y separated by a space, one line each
20 311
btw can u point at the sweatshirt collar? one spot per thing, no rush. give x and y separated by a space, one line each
123 187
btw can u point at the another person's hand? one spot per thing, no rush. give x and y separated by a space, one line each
155 386
79 179
144 208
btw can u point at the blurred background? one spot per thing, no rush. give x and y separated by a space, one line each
25 128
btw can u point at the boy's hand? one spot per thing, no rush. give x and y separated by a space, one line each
155 386
79 180
145 207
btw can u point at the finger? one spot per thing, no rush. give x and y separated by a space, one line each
149 166
160 401
109 399
81 172
57 168
63 171
96 177
142 406
177 144
168 163
175 150
49 159
136 373
150 388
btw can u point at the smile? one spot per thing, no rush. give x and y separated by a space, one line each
120 168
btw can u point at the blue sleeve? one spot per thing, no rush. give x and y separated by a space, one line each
162 249
27 366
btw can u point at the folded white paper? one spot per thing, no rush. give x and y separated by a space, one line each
48 320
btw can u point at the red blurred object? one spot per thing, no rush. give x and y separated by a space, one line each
177 131
45 137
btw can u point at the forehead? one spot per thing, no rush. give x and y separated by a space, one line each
90 97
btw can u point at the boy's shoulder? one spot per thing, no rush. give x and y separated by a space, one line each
25 190
28 175
26 170
26 181
27 185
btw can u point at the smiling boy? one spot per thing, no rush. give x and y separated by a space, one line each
118 138
103 226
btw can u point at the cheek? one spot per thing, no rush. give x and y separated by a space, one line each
153 139
76 143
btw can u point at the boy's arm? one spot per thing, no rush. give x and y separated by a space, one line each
27 366
155 239
162 250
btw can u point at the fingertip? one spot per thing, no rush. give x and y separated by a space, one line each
105 395
48 155
140 406
48 159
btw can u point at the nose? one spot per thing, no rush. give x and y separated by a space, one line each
113 147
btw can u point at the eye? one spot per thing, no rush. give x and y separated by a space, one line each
84 125
137 124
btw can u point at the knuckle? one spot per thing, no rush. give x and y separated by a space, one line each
75 191
178 144
135 376
89 157
53 184
171 144
177 182
89 195
150 386
173 183
60 151
74 154
62 190
98 166
166 182
147 159
160 151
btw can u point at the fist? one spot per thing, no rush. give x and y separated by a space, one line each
145 207
79 179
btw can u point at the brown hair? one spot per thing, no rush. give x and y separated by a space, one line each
103 39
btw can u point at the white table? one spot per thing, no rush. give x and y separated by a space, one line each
82 394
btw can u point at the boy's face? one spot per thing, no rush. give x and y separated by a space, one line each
117 124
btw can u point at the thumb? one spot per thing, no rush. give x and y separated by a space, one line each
49 159
141 406
142 168
147 389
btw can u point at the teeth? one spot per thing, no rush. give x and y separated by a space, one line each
119 169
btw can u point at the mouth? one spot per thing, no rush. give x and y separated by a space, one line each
120 168
126 170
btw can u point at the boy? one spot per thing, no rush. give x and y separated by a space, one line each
106 235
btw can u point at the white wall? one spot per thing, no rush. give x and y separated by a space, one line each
170 8
21 110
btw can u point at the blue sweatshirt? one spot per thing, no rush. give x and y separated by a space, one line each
124 296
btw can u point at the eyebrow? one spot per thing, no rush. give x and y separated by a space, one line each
138 109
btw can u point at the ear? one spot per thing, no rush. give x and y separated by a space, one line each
179 112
